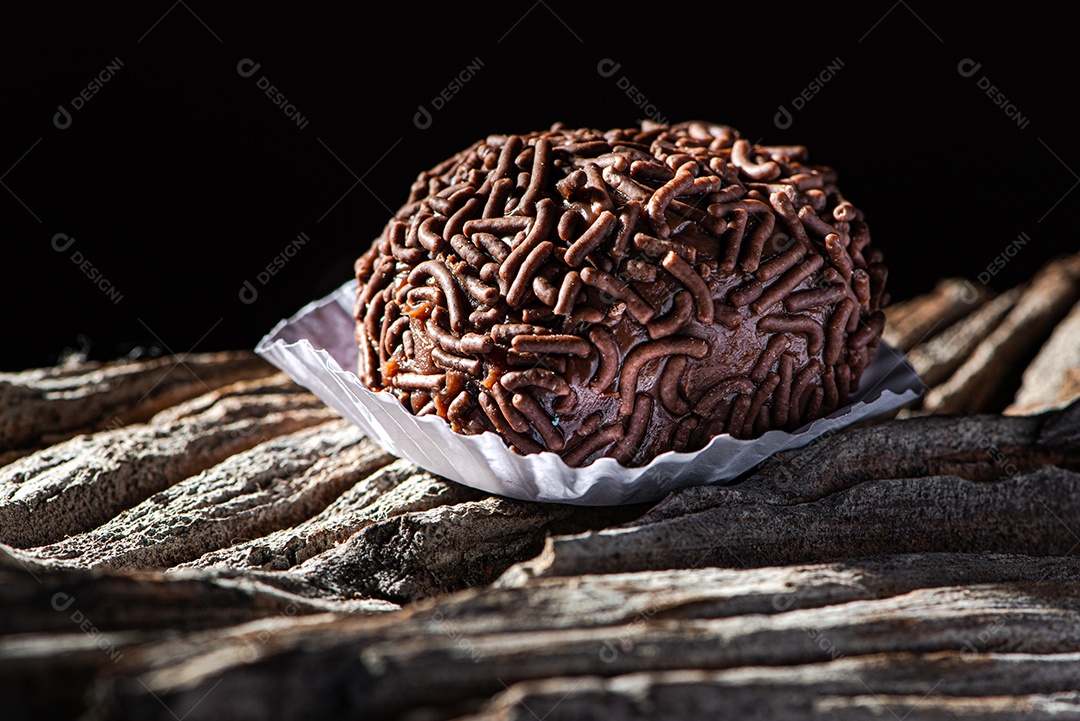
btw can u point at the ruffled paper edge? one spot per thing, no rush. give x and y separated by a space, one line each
486 463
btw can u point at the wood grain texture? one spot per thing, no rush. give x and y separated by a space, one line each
397 488
381 668
938 357
1053 378
44 406
81 483
280 482
1042 304
912 322
863 687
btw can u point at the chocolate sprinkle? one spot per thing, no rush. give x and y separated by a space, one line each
621 293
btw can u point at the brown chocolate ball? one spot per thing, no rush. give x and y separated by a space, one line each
621 293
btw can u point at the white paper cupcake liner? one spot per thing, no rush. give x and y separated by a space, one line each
316 348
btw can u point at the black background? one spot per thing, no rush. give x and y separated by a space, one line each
180 179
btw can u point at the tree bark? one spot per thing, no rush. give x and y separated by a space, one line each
45 406
1053 378
81 483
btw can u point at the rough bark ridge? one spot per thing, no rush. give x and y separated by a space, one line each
44 406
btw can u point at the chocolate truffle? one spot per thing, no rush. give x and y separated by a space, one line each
621 293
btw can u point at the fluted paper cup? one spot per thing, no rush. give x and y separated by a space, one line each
316 347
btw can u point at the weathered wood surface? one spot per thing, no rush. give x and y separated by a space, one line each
864 687
397 488
971 349
939 357
237 552
1042 304
451 657
927 484
276 484
79 484
1053 378
44 406
45 601
912 322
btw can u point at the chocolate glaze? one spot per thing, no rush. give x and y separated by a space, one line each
539 286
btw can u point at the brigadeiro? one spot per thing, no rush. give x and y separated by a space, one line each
621 293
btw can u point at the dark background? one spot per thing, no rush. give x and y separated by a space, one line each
180 180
